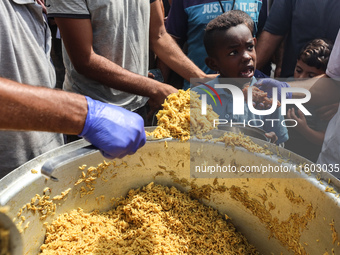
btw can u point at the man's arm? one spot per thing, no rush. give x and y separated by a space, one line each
324 90
114 130
167 49
78 39
24 107
266 46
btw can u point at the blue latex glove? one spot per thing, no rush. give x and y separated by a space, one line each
268 84
115 131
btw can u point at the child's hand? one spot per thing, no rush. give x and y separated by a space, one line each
267 85
300 119
271 136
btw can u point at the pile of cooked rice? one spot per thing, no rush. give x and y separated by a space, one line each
182 111
152 220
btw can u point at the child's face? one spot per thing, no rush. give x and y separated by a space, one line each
235 55
302 70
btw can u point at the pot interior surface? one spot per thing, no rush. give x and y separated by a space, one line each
279 214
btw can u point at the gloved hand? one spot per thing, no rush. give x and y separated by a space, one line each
115 131
267 85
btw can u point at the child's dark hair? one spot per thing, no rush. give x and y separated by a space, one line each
224 22
316 53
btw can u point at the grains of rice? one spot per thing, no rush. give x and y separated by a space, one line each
334 233
181 115
289 231
232 139
152 220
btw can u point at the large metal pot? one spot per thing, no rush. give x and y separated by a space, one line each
292 209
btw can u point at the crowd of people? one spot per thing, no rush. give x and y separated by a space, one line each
109 46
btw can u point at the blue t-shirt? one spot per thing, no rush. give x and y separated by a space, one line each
226 112
187 20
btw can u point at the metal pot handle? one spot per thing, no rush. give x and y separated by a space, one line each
56 162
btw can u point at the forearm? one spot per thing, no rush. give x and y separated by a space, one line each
24 107
324 90
266 47
78 40
312 135
167 49
108 73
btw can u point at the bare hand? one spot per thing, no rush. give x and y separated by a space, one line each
272 137
156 102
211 76
301 119
327 112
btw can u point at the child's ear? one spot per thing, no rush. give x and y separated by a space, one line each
255 41
211 63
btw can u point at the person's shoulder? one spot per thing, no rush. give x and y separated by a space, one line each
259 75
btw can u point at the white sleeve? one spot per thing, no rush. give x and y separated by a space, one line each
67 9
333 67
